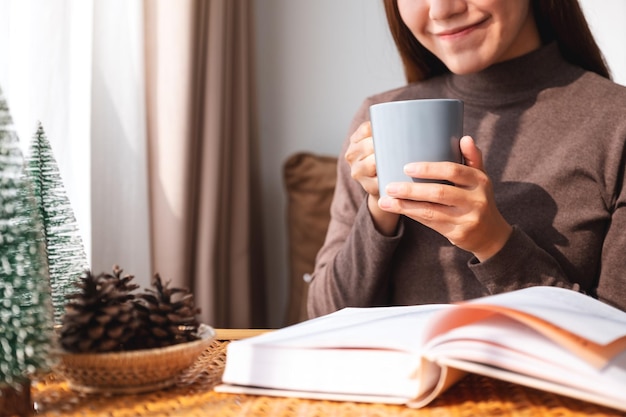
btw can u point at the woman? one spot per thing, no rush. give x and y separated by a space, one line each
541 197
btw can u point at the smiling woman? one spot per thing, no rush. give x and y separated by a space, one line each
309 81
536 90
470 36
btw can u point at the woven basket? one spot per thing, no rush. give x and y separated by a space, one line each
133 371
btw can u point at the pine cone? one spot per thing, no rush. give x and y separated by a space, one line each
167 316
100 317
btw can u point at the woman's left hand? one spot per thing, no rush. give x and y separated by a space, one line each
465 213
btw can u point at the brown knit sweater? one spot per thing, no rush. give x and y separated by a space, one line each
552 137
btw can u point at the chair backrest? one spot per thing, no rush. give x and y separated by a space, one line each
310 182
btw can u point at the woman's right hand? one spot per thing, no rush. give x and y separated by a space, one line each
360 157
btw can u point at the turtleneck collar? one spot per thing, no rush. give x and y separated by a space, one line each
513 80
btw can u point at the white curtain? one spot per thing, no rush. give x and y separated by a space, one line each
77 67
42 46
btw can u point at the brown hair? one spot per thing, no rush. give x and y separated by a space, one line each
557 20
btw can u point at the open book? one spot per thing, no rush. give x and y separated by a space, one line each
544 337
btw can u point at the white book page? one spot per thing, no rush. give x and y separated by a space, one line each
594 331
346 371
505 343
503 374
395 328
572 311
367 351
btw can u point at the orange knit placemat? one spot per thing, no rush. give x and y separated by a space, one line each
193 396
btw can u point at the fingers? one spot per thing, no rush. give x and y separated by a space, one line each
429 214
437 171
364 131
452 211
366 166
451 172
471 153
360 157
361 144
464 212
435 193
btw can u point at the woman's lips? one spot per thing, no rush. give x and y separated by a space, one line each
459 31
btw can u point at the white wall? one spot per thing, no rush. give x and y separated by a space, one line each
316 61
607 19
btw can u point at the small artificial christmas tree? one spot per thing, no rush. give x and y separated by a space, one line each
26 326
63 244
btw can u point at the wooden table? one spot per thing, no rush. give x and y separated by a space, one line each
193 396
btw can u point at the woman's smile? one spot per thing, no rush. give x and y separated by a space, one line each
459 31
471 35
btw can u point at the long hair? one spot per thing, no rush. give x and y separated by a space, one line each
557 20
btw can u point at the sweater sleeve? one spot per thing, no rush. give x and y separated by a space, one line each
611 283
351 268
523 261
520 263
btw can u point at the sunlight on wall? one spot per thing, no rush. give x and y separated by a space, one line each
606 19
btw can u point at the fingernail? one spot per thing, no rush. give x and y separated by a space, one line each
384 202
391 189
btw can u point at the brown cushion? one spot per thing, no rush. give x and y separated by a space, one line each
310 183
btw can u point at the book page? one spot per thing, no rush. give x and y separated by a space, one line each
506 343
618 402
355 351
546 333
394 328
591 329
